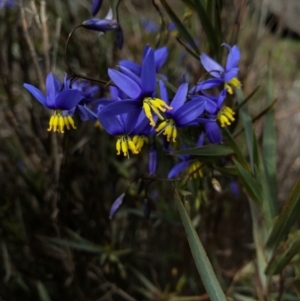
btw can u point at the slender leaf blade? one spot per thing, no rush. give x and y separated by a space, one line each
202 262
287 216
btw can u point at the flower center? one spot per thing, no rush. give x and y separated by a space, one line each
124 143
58 122
195 169
233 83
169 129
139 141
225 116
157 106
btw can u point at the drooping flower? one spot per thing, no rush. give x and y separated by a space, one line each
226 76
101 25
183 114
129 128
96 5
140 90
192 164
59 98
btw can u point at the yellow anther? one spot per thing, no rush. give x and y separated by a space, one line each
71 121
233 83
97 124
132 147
124 147
225 116
118 146
58 122
156 105
174 134
51 123
169 129
195 169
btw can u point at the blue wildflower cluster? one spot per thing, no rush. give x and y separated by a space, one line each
138 105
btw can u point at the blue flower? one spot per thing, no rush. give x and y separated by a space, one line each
59 98
216 111
188 162
183 114
140 90
226 76
96 5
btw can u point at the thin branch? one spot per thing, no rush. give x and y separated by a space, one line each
45 32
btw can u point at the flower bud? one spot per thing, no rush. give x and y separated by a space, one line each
96 6
102 25
116 206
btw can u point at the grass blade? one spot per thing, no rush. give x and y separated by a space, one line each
202 262
287 216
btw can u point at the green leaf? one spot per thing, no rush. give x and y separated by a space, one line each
212 151
202 262
280 261
287 216
180 27
210 32
269 150
249 183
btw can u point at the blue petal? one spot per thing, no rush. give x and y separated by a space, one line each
96 6
160 57
148 73
68 99
131 74
213 132
125 83
101 25
189 112
36 93
122 107
135 68
221 98
53 87
211 66
178 168
207 84
116 206
231 74
152 163
163 92
179 98
233 58
85 114
111 123
200 140
131 120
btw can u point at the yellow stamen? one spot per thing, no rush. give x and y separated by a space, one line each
124 143
58 122
97 124
157 106
139 142
225 116
169 129
118 146
233 83
195 169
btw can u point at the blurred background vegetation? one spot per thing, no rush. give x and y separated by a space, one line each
57 241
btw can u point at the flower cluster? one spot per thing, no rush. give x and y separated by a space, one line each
138 106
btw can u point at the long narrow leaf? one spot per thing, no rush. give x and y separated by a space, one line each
281 261
202 262
210 32
287 216
269 150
